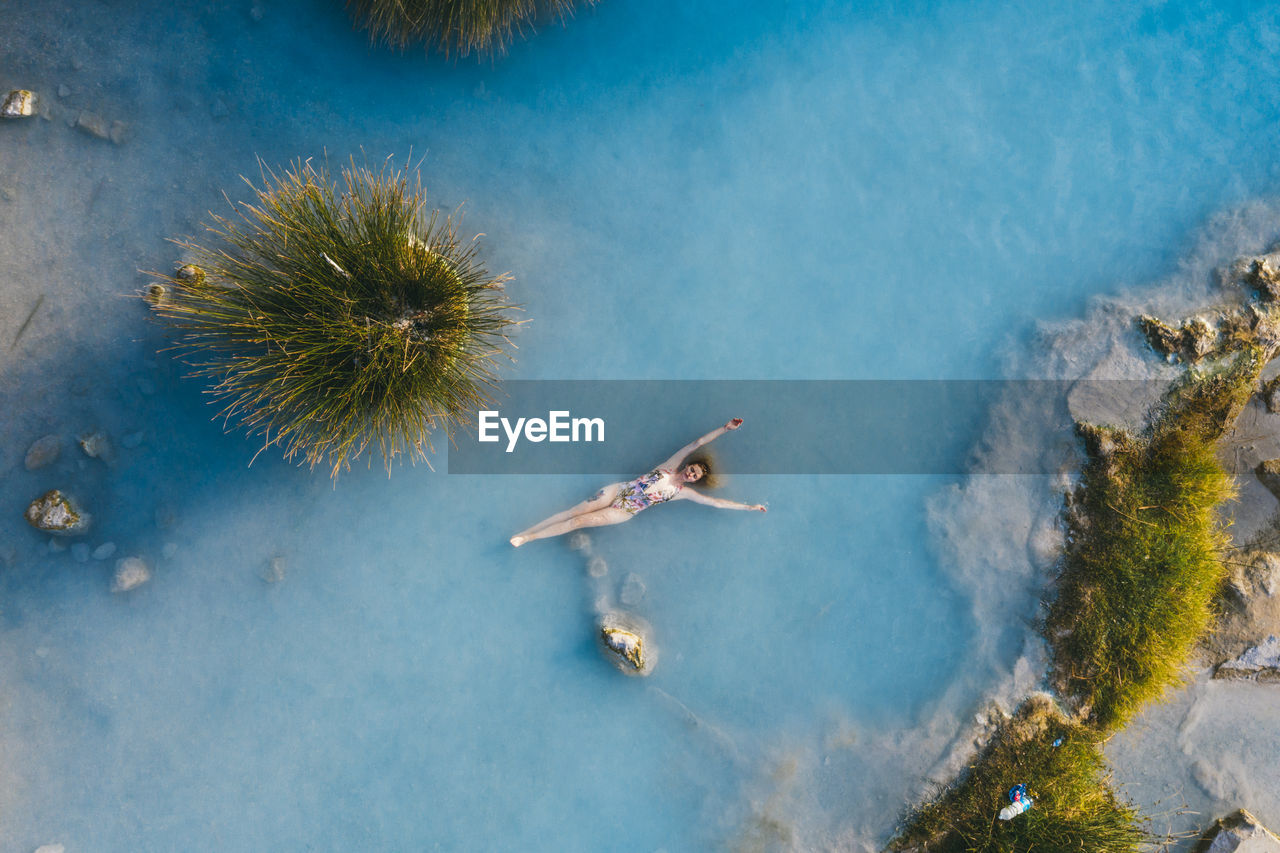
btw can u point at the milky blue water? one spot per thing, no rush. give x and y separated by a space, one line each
714 190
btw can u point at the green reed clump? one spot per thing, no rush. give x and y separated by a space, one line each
1074 806
1143 561
338 315
453 26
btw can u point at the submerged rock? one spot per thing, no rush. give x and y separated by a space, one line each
94 125
131 573
633 590
1268 472
51 848
191 274
54 512
623 638
274 572
19 103
1260 663
96 445
104 551
1238 832
44 451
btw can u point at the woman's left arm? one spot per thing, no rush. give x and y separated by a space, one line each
689 494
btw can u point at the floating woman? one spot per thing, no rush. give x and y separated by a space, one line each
620 502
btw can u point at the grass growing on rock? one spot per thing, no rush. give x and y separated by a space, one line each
453 27
1143 562
1139 578
1074 807
335 316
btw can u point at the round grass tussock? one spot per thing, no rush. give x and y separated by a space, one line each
336 315
454 27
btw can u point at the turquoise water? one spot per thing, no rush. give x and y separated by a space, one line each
732 190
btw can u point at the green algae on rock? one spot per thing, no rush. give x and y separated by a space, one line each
332 319
454 27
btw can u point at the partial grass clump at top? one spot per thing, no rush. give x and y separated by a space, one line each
1143 561
1074 806
339 315
454 27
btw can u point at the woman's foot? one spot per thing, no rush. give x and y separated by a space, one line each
517 541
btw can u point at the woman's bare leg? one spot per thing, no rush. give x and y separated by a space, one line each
599 500
599 518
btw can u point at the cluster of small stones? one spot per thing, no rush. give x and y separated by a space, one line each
58 514
1225 330
23 103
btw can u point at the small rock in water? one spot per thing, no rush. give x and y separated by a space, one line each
633 590
93 124
119 132
104 551
274 571
19 103
54 512
169 550
131 572
255 12
623 638
597 567
580 542
44 451
51 848
132 440
80 552
63 90
96 445
56 547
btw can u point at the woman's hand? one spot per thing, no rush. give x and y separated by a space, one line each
733 424
760 508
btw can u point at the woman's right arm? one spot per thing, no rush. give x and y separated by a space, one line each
674 462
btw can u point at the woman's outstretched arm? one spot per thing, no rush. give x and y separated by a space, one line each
689 494
674 462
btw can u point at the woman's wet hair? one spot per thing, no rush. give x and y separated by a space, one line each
708 480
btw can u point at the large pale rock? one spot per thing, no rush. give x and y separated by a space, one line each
623 638
53 512
1260 663
44 451
19 103
1239 832
51 848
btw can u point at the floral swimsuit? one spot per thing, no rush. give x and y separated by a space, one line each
645 491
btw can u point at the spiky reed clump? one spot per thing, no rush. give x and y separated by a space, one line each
454 27
1074 805
336 319
1144 561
